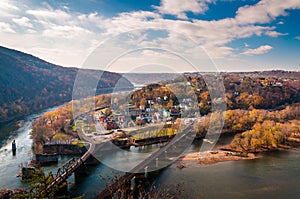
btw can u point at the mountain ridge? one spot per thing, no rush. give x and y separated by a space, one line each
30 84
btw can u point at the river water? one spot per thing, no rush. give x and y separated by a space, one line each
275 175
10 164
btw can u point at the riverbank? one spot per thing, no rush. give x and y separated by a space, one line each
213 157
290 143
228 153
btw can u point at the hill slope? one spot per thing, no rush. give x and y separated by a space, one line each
29 84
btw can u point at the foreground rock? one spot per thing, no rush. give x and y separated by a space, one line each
212 157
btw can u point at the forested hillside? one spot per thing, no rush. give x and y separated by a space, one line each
29 84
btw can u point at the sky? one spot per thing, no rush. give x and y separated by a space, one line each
156 35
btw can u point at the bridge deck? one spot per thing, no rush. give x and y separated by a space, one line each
69 167
140 168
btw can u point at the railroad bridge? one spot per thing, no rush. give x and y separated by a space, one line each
158 159
78 165
74 165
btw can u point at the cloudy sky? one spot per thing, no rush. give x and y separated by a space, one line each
235 35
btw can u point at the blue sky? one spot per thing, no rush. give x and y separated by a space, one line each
244 35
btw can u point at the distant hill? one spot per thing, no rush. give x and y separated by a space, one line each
29 84
150 78
295 75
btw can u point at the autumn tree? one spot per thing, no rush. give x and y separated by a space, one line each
263 136
38 187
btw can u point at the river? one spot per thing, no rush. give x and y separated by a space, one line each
275 175
9 164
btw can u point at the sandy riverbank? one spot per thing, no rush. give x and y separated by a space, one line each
212 157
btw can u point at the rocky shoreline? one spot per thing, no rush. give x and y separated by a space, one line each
213 157
228 153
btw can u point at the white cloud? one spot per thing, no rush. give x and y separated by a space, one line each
60 30
6 5
213 35
218 51
258 51
131 21
51 16
274 33
298 37
66 32
179 7
265 11
5 27
23 21
8 9
31 31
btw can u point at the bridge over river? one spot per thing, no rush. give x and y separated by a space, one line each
156 160
75 164
70 167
